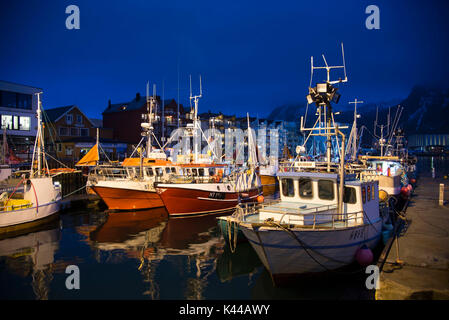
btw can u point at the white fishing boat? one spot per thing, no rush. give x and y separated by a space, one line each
41 196
324 215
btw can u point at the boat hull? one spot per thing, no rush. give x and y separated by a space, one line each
18 220
317 251
128 199
182 200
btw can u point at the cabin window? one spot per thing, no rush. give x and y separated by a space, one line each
369 192
211 171
305 188
326 189
288 188
167 170
194 172
349 195
201 172
150 172
363 194
372 192
159 172
173 170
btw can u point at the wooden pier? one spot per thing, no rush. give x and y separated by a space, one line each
417 263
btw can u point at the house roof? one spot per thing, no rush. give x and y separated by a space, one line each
54 114
137 103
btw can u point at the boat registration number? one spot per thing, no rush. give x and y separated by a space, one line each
357 234
217 195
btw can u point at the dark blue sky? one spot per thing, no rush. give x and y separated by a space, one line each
253 55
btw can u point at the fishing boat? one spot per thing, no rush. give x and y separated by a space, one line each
324 217
209 188
41 197
130 186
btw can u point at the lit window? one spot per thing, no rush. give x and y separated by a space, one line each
68 151
25 123
79 118
68 119
6 122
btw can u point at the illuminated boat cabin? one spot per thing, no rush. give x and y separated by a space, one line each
308 198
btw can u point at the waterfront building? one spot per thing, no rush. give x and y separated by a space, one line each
18 105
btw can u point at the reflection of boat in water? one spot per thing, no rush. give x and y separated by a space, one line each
149 237
184 233
32 255
121 226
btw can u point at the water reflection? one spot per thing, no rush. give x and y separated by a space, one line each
151 237
31 255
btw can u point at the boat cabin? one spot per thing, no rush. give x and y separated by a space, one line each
311 198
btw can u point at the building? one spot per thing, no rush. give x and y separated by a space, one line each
69 134
18 106
125 118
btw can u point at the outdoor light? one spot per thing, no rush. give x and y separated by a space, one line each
309 99
321 87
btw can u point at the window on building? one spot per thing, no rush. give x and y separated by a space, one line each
79 119
63 131
15 122
68 151
74 132
349 195
84 132
59 147
25 123
9 99
305 188
68 118
326 189
24 101
6 122
288 188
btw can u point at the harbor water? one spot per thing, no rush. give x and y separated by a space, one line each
147 255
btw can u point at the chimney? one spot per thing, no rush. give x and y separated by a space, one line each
109 104
137 96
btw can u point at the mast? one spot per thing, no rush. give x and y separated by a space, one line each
322 95
352 141
196 123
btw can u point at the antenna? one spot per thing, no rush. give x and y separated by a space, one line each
344 64
329 68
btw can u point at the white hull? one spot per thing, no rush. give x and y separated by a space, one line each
32 214
45 201
283 255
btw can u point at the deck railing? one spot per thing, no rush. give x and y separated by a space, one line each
317 214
